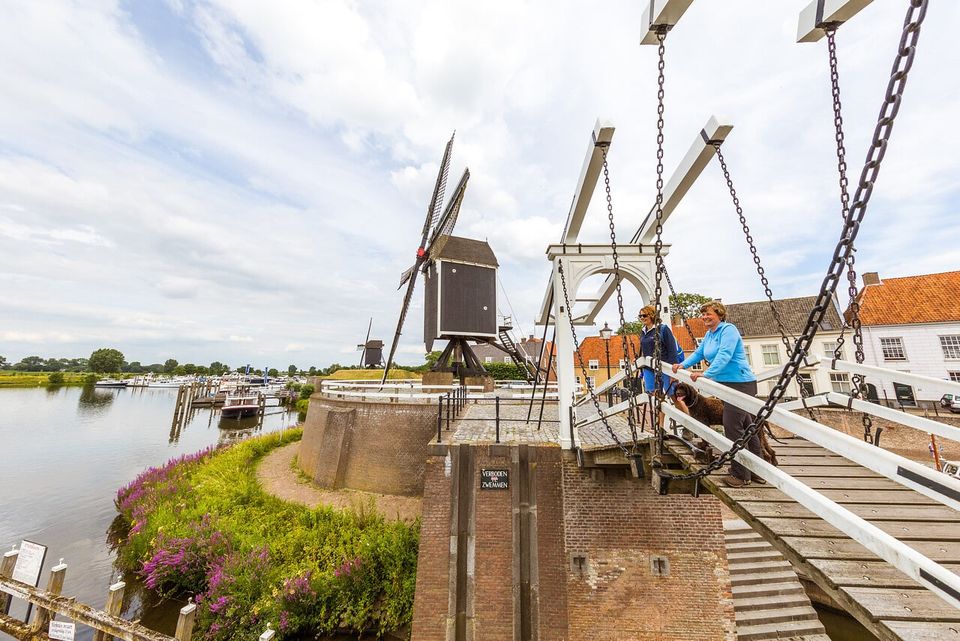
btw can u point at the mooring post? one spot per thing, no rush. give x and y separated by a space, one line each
497 403
185 622
448 411
54 586
6 571
113 607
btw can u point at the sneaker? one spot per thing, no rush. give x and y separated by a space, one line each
758 480
733 481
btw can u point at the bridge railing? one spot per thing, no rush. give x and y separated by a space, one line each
923 570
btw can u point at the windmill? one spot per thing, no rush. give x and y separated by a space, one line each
371 351
461 282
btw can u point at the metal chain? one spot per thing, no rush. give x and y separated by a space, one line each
655 399
680 310
787 342
627 351
851 227
583 369
858 384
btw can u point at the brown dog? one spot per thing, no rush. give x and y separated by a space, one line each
709 411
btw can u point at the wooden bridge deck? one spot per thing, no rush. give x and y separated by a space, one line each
886 601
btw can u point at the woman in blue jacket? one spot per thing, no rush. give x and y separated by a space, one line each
723 348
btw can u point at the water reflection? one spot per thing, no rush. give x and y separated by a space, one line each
95 401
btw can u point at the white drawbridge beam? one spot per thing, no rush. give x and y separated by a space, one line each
926 383
822 12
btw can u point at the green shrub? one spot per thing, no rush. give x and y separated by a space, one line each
202 525
505 371
56 378
305 391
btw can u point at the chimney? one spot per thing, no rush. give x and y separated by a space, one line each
871 278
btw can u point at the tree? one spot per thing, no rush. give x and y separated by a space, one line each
291 370
135 367
55 379
273 372
431 358
688 304
631 327
169 365
106 360
3 362
312 371
189 368
30 364
216 368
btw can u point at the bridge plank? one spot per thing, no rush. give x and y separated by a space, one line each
842 496
903 605
848 549
872 513
844 471
924 630
903 530
851 483
870 573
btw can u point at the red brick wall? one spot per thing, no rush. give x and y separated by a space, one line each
431 603
551 557
618 524
493 602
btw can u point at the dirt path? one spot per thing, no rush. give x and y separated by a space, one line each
278 476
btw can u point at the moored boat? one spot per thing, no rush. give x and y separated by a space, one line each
240 405
110 382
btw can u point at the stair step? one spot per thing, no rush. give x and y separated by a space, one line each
770 602
755 590
753 555
784 630
762 577
749 546
756 617
756 567
741 534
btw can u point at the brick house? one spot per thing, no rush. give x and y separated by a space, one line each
765 350
911 324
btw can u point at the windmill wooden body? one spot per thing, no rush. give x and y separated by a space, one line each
461 284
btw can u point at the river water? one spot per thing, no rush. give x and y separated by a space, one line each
63 455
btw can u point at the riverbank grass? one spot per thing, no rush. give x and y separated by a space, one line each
9 378
202 526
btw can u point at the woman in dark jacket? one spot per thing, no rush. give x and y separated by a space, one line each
668 348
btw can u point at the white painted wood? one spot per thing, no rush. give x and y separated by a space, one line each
613 410
931 385
601 388
592 165
566 379
869 456
661 12
896 553
882 411
836 11
800 403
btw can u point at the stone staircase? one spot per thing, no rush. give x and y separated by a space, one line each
767 596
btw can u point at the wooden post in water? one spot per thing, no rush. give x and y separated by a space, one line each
54 586
185 622
6 571
113 607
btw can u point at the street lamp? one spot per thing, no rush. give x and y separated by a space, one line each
605 334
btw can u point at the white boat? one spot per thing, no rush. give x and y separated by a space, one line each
240 405
110 382
169 382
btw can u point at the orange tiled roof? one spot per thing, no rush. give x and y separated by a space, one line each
683 336
928 298
593 348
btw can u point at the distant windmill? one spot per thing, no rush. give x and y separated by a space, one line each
371 350
461 293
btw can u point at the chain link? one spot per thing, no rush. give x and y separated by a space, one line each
627 347
655 398
851 226
788 339
583 370
858 388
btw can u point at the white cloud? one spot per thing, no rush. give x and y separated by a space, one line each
252 178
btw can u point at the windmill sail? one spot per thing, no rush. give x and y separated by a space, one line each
449 218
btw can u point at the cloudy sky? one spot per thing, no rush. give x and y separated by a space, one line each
245 181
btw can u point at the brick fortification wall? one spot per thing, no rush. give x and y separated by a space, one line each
563 557
377 447
615 525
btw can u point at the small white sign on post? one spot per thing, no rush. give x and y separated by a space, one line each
61 631
29 563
